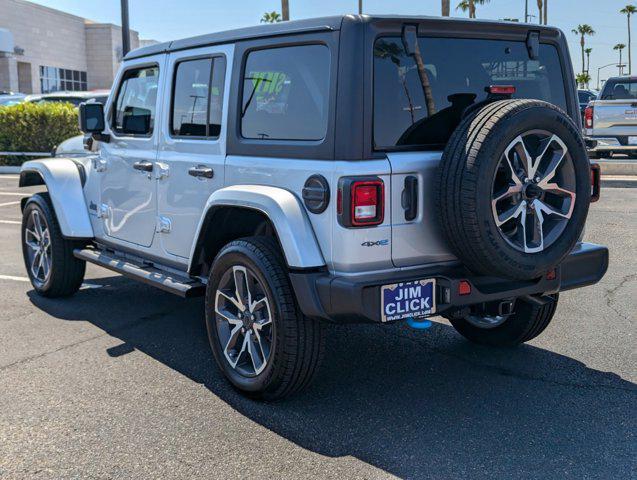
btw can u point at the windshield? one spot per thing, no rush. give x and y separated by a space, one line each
421 105
620 89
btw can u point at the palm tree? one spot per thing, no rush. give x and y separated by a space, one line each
583 79
628 10
360 7
446 6
271 17
588 59
583 30
470 5
285 10
620 47
540 4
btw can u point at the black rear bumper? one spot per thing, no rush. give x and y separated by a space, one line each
356 298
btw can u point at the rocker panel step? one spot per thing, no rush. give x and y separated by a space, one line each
184 287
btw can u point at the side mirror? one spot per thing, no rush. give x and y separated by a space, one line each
92 117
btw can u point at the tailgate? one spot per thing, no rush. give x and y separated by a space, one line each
614 117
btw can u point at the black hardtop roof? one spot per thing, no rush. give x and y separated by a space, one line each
332 23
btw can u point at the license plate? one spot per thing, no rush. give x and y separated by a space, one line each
409 299
632 140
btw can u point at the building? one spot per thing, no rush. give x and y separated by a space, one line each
45 50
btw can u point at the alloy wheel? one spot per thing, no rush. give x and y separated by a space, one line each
244 321
38 241
533 192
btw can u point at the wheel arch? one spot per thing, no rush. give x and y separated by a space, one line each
249 210
64 180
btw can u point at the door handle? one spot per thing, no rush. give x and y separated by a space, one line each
201 171
143 166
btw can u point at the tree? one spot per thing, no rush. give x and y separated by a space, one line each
620 47
285 10
588 59
446 6
470 6
271 17
540 5
546 12
628 10
583 30
583 79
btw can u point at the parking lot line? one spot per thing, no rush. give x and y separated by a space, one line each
9 203
85 286
22 194
11 222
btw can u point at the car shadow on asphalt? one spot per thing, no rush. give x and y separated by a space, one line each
414 404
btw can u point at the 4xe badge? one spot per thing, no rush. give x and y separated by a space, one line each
409 299
378 243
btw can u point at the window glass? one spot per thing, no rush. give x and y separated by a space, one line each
620 89
191 98
135 104
423 106
286 93
216 96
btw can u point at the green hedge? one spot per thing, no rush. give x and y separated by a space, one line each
32 127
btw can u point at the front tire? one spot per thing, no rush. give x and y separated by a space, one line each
524 324
260 339
48 256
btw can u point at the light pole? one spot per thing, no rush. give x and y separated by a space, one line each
526 11
600 68
125 29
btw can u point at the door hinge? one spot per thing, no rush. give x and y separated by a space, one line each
103 211
161 170
164 225
99 164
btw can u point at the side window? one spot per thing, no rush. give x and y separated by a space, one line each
198 98
286 93
136 101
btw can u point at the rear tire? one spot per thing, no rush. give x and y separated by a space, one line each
269 350
48 256
525 323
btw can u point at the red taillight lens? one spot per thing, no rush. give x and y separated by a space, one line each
588 117
367 203
501 89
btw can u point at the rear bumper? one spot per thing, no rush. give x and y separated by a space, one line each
608 144
353 299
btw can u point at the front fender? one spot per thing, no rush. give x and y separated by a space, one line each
283 209
62 179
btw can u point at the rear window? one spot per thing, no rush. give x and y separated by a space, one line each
621 89
413 108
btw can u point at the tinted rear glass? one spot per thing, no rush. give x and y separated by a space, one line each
624 89
413 108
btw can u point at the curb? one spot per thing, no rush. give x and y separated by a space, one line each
618 167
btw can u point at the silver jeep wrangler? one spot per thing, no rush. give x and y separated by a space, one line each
343 169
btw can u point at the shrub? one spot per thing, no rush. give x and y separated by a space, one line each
33 127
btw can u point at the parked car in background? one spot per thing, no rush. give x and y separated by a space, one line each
10 98
71 97
585 97
610 121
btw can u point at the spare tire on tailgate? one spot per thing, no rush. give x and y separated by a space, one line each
514 188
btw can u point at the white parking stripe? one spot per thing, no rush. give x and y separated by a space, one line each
85 286
8 177
11 222
9 203
16 194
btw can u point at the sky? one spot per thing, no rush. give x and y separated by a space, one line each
171 19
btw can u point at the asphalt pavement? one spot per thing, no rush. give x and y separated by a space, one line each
118 382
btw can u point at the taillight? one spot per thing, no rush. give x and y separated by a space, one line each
588 117
361 201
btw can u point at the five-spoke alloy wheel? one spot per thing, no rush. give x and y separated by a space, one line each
38 243
261 340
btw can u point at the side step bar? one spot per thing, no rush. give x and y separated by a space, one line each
184 287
